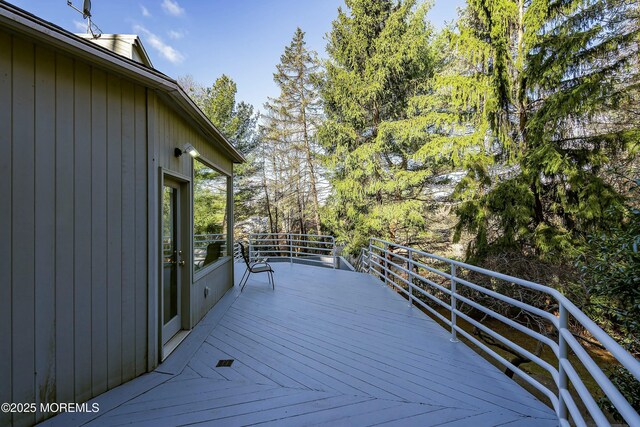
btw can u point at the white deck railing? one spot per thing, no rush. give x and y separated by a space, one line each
310 248
415 273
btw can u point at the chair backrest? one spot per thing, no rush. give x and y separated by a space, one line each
244 254
213 252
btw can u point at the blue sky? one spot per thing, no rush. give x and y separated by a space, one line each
241 38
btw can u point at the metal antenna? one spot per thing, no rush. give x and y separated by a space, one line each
92 28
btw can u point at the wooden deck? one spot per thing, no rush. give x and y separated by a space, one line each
326 347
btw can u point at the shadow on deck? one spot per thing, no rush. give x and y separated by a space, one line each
326 347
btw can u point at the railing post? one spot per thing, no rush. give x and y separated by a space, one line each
364 254
335 253
562 355
454 333
250 250
369 258
290 249
384 263
410 277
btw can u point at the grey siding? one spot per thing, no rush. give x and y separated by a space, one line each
73 228
82 150
45 203
175 131
6 147
23 219
98 232
219 281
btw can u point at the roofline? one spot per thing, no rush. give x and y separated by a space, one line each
19 20
133 37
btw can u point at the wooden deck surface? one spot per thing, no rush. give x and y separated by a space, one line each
327 347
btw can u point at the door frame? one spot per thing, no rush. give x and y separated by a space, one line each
184 273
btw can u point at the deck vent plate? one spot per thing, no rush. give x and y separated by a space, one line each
224 363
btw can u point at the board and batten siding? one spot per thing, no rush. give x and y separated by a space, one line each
73 228
174 131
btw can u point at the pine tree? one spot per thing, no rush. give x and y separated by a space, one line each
291 123
379 57
280 172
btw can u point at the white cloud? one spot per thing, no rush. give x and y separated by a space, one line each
145 11
172 7
167 52
175 35
80 26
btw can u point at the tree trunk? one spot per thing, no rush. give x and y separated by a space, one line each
299 201
266 193
312 172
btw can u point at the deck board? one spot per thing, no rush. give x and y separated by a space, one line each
327 347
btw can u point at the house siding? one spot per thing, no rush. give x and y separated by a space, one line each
6 235
176 131
73 228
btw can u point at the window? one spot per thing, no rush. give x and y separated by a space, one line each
209 215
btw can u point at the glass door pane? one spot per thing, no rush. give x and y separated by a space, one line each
170 259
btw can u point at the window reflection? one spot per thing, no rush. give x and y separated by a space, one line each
209 215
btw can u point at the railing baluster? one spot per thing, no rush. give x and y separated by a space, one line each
410 277
369 258
384 263
562 355
454 333
335 253
290 248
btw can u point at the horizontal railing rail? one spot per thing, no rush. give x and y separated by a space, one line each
362 261
201 241
446 283
312 248
237 254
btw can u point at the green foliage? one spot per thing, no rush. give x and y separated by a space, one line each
628 385
380 55
209 200
610 278
557 75
237 122
289 130
610 270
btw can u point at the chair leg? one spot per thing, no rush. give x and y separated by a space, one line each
245 282
244 274
273 282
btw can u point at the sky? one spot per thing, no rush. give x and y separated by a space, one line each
205 39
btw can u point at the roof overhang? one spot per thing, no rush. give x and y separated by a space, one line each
19 21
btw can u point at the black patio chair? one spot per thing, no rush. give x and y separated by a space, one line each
214 251
255 267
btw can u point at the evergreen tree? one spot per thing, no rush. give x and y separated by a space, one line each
556 73
237 122
291 124
281 175
379 56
